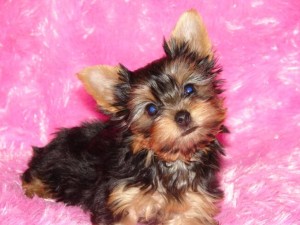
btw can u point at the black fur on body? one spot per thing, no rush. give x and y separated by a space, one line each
82 165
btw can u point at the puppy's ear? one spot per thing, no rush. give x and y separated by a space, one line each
189 30
101 82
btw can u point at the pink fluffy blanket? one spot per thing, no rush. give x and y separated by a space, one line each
44 43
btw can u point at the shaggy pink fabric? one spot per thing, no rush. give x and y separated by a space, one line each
44 43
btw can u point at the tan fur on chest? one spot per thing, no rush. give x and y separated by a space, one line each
135 205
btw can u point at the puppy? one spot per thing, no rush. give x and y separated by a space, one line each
155 161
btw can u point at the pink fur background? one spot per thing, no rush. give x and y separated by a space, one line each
44 43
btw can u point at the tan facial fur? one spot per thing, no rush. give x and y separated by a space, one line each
205 117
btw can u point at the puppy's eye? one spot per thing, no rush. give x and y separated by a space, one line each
189 89
151 109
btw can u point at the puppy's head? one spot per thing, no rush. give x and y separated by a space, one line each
172 105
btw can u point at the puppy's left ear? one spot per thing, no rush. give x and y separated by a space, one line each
190 30
102 82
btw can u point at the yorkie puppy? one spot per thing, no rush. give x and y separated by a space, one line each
155 161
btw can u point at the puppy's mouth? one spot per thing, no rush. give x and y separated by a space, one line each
189 131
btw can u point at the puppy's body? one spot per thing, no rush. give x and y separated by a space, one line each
156 160
93 166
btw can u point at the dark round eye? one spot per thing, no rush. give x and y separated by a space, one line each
189 89
151 109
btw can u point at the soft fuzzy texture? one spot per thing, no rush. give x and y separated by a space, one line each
43 44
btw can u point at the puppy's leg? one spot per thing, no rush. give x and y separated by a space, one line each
199 209
106 218
130 219
184 220
34 186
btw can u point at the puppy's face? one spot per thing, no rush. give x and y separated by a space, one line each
174 107
171 105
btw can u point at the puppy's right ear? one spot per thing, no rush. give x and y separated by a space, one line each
101 82
190 30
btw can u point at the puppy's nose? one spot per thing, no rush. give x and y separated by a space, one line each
183 118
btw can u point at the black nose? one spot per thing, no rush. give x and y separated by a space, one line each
183 118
